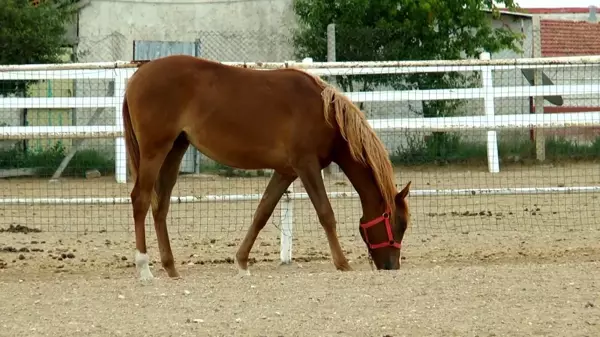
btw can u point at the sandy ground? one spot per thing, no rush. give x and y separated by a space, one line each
472 266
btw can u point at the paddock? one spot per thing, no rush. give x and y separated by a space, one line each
478 265
515 253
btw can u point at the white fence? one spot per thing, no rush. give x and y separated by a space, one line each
121 71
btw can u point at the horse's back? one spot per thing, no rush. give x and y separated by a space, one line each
204 80
231 112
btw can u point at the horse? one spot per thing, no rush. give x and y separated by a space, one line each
286 120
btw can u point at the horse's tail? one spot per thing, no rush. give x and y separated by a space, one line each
131 143
133 149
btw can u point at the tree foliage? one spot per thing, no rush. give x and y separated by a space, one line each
401 29
31 35
378 30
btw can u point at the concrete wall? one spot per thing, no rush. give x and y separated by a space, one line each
565 16
267 21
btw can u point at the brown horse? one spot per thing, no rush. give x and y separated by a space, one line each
285 119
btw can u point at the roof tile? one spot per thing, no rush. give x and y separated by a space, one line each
569 38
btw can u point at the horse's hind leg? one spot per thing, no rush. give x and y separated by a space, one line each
164 187
140 199
275 189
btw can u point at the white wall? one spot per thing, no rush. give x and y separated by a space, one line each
184 21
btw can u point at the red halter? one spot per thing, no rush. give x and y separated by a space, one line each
385 217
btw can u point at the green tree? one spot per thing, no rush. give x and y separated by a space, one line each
31 35
377 30
372 30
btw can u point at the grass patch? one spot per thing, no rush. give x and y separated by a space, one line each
46 161
438 149
447 148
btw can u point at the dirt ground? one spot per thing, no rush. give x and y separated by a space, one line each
472 266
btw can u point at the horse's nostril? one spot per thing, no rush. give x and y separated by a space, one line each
387 265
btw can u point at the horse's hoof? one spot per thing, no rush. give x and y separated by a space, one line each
173 274
176 277
285 265
345 267
243 272
146 276
242 267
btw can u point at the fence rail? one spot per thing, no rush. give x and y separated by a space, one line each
192 199
121 71
423 65
563 120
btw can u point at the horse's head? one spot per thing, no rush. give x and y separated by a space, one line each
386 233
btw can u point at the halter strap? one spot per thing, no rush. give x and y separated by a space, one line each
385 218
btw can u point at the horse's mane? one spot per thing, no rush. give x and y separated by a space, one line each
365 147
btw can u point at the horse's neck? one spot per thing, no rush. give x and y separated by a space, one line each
363 180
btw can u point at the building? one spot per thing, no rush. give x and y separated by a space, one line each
571 32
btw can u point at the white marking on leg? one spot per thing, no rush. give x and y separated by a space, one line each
142 263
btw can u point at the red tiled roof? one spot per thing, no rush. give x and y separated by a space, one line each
569 38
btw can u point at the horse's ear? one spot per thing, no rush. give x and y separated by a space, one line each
403 194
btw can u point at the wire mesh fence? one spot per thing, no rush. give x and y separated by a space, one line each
442 160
